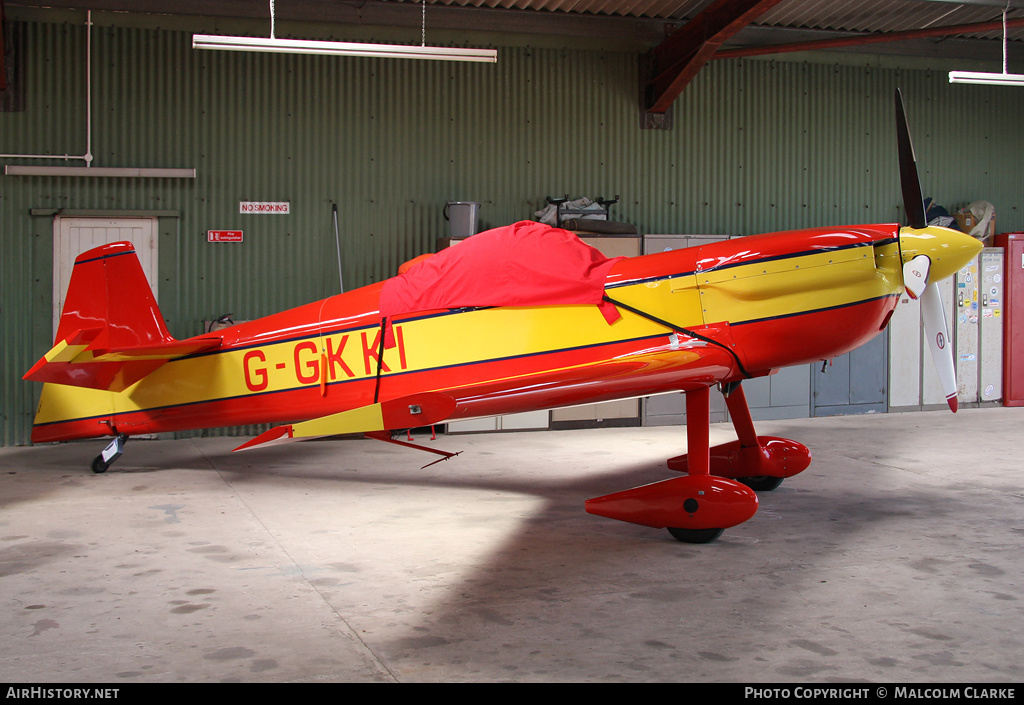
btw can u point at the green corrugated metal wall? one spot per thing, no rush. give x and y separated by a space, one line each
757 146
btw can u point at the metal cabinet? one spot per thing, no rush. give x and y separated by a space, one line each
783 395
974 304
913 381
992 301
855 383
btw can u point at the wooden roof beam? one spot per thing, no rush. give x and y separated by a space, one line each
864 39
3 50
678 59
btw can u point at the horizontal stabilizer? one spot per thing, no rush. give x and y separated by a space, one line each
75 362
405 412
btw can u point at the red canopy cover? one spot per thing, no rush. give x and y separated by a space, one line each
523 264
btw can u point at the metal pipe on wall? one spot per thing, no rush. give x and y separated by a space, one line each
87 157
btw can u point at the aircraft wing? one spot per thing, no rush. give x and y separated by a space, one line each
694 363
409 411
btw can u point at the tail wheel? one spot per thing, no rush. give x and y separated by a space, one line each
111 453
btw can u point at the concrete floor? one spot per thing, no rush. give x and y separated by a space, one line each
896 557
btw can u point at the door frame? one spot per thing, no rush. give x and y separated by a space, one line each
141 231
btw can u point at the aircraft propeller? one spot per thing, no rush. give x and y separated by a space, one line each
916 271
910 183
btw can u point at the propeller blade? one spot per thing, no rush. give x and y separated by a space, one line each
938 342
915 275
910 182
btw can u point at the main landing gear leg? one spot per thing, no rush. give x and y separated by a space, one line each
739 412
760 462
111 453
698 432
695 508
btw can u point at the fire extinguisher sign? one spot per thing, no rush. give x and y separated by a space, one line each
224 236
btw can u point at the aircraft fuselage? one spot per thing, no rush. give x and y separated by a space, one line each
690 318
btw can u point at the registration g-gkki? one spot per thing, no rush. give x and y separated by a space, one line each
524 317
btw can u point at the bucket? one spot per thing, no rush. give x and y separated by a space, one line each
461 216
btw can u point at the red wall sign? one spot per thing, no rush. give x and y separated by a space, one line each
223 235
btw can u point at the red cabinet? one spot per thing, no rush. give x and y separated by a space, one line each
1013 310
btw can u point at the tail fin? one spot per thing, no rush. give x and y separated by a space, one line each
111 333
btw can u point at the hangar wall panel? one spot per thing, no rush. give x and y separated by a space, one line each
758 145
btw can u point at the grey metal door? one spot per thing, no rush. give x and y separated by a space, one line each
856 383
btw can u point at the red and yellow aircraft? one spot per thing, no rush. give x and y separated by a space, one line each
519 318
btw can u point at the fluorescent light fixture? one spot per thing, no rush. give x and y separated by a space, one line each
304 46
122 172
989 79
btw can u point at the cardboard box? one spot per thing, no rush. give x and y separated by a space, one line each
967 221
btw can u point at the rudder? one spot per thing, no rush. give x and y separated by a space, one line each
108 286
111 332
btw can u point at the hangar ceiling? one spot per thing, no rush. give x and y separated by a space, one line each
772 21
680 36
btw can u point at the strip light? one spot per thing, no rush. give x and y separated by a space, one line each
303 46
989 79
121 172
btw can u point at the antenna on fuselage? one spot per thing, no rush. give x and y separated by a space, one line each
337 242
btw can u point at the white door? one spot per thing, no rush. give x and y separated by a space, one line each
74 235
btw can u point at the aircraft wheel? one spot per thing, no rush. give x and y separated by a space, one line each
761 483
98 465
695 535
